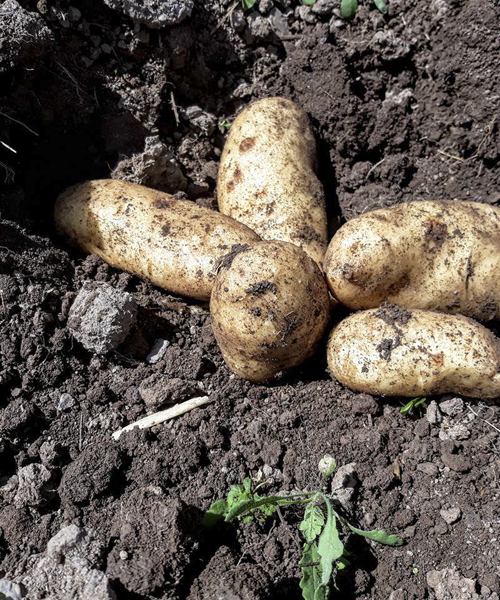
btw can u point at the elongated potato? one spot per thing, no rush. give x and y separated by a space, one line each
393 351
267 176
270 308
433 255
174 243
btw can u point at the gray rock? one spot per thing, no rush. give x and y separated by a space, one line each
433 413
201 119
101 317
448 584
258 28
344 482
154 13
457 432
74 542
265 6
33 485
398 595
157 351
66 401
72 579
23 35
324 8
10 590
450 515
154 167
307 15
237 20
279 22
452 407
428 468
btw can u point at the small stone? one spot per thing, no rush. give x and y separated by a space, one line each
345 477
153 13
33 488
123 555
10 590
448 583
399 594
324 8
158 390
428 468
307 15
101 317
279 22
457 432
433 414
451 515
123 45
65 402
106 48
157 351
265 6
201 119
237 20
452 407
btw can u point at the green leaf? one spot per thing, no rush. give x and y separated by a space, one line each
330 548
248 4
348 8
313 522
309 2
412 405
310 584
377 535
215 513
381 5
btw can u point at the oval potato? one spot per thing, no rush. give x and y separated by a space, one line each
270 308
432 255
175 244
393 351
267 176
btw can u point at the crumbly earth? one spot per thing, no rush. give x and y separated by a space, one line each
403 107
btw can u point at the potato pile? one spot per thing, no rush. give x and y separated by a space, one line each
422 269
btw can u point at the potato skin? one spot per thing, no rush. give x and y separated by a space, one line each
176 244
267 176
433 255
270 308
394 351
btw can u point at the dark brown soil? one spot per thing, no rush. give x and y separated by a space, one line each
404 107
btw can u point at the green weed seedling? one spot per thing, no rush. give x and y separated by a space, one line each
413 405
247 4
323 554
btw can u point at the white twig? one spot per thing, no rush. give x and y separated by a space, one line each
20 123
164 415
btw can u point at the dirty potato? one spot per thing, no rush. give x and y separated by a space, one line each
173 243
269 307
394 351
433 255
267 176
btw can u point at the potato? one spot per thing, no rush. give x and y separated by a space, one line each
394 351
267 176
269 307
176 244
434 255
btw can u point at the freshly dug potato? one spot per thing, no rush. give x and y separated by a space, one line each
394 351
176 244
435 255
267 176
270 308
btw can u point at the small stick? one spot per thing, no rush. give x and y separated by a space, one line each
20 123
8 147
487 422
225 17
174 108
163 415
459 158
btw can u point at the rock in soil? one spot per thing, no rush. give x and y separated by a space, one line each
448 584
154 13
101 317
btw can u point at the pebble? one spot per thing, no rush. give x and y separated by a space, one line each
101 317
237 20
433 414
306 14
265 6
428 468
157 351
65 402
399 594
324 8
457 432
452 407
123 555
10 590
74 14
451 515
